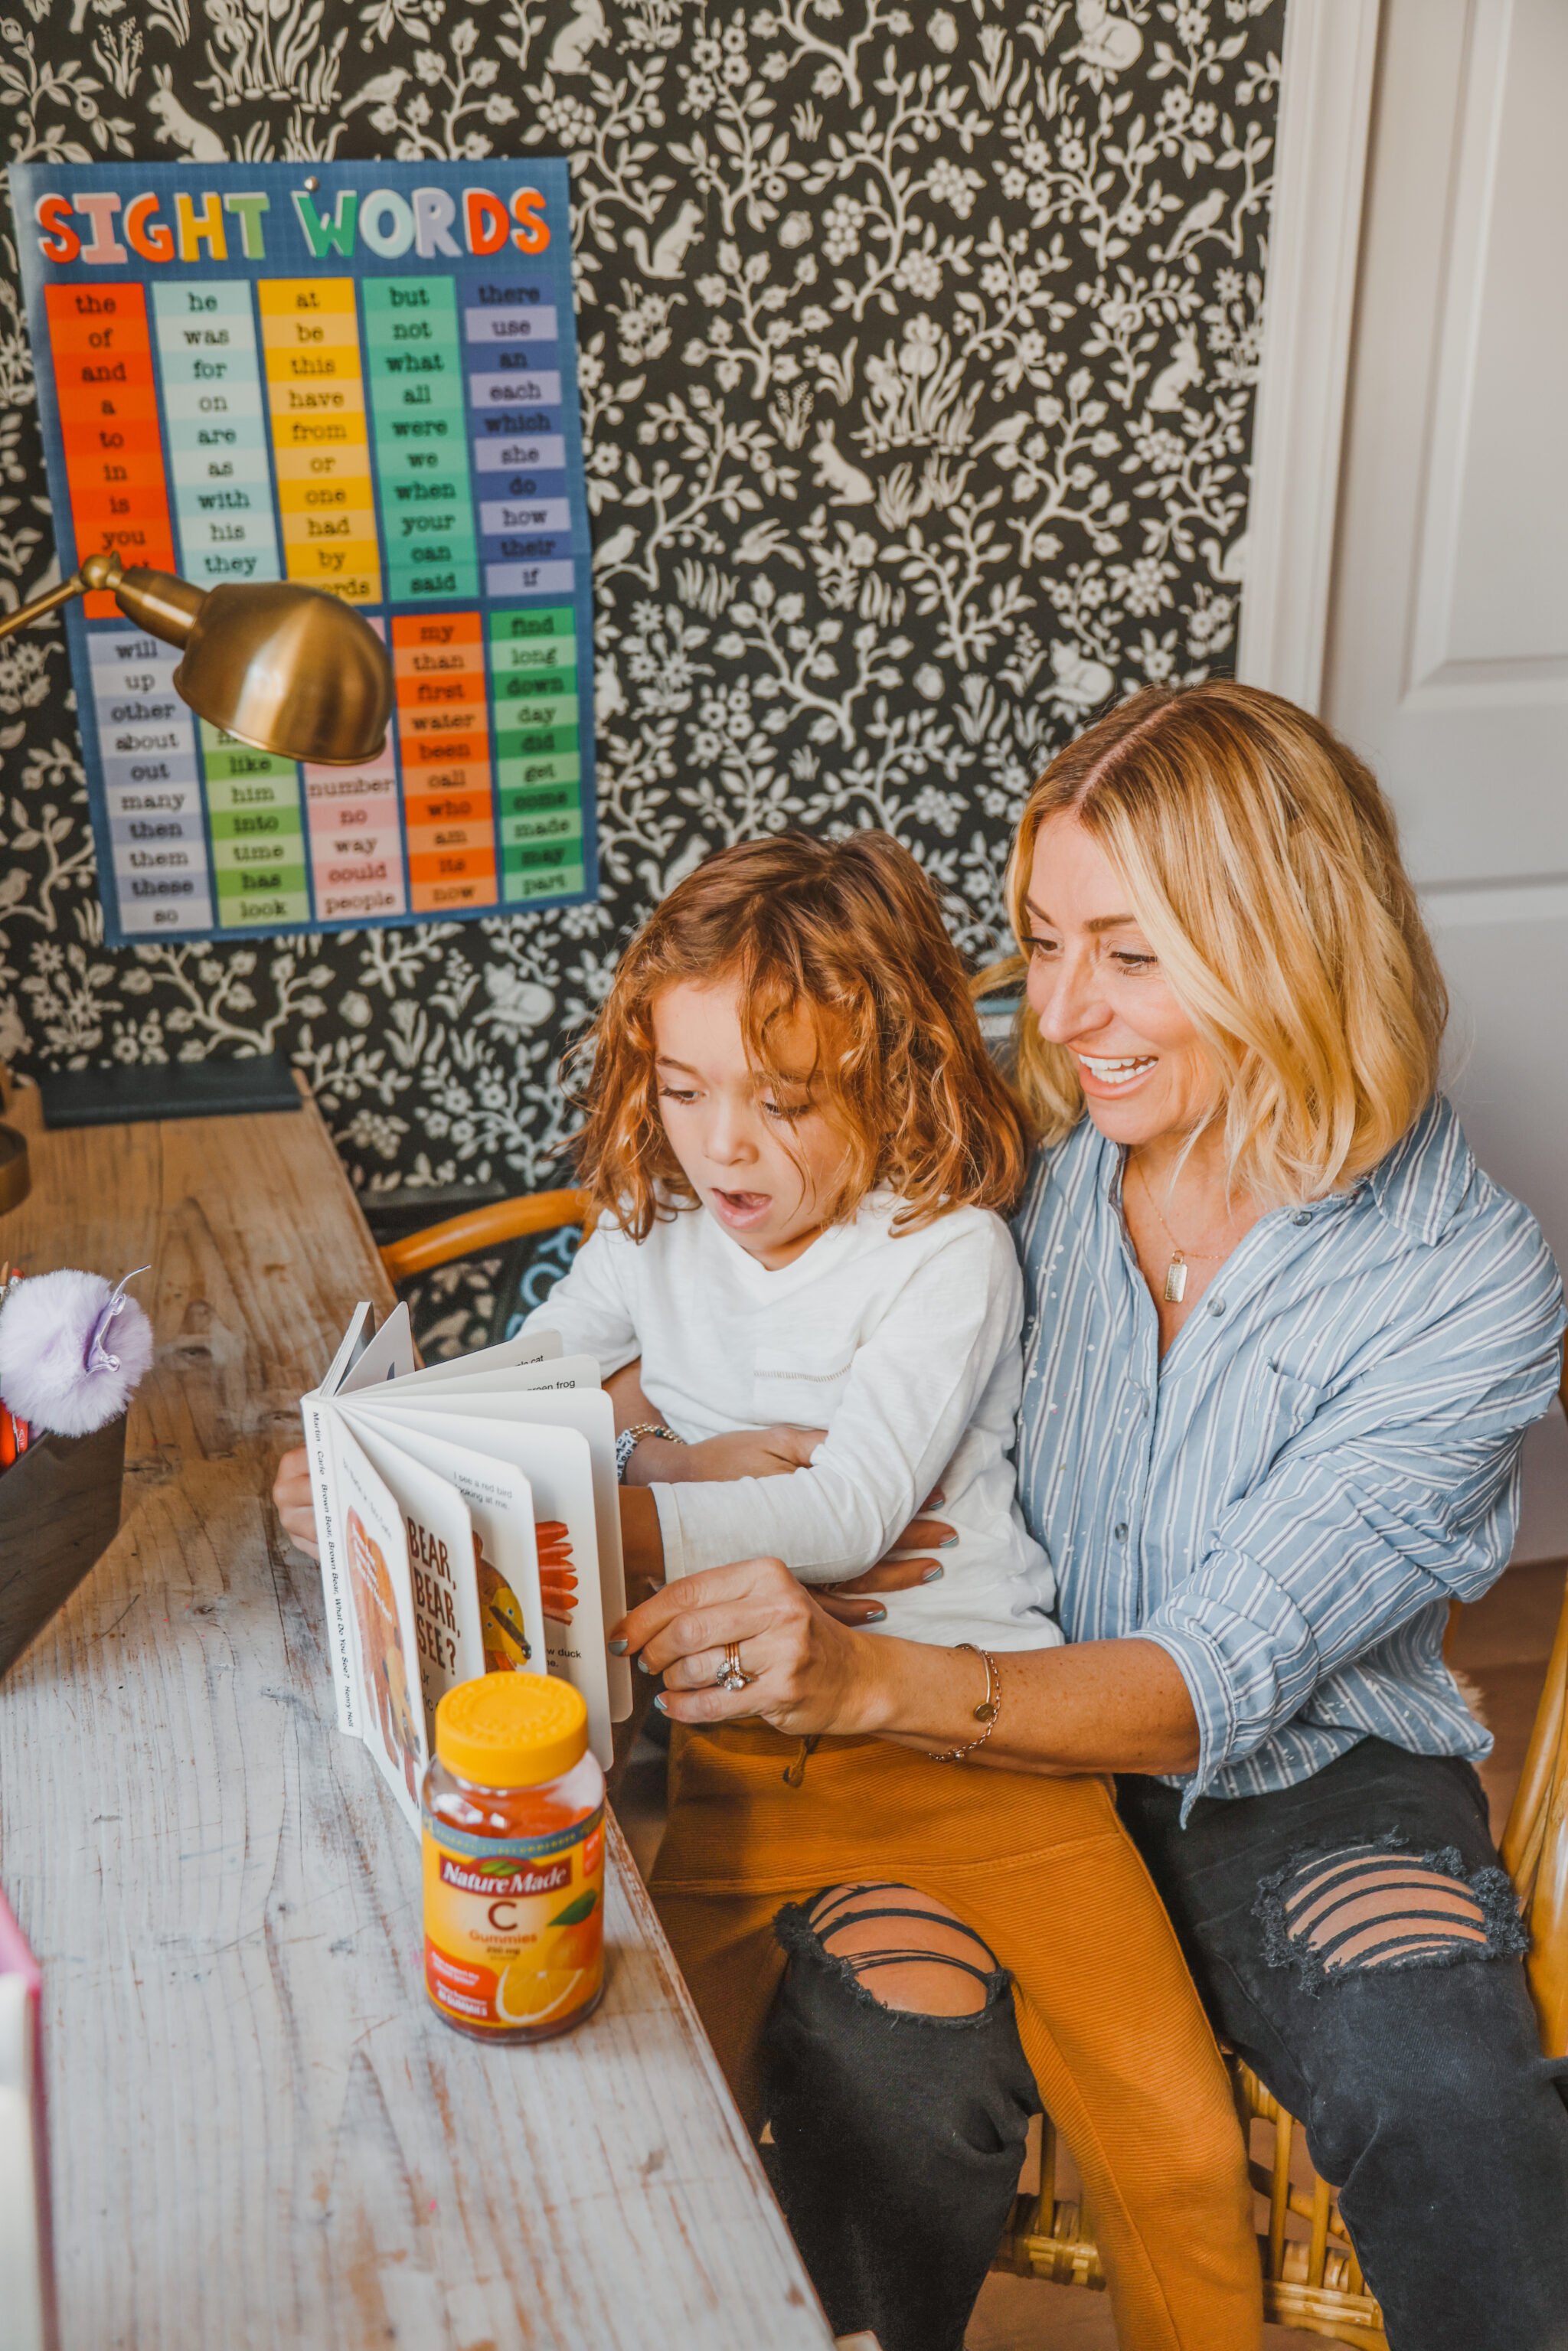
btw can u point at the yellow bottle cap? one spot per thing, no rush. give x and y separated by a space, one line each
511 1731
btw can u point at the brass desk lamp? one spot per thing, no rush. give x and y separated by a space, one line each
280 667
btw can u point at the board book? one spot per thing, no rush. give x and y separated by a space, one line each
467 1521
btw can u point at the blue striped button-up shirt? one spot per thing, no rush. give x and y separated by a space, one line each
1326 1455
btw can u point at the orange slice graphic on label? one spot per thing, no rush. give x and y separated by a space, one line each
518 1994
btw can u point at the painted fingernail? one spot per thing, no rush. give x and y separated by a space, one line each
658 1702
934 1574
643 1666
947 1542
618 1648
873 1615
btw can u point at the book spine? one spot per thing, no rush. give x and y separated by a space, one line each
335 1598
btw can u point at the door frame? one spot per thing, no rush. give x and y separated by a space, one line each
1327 75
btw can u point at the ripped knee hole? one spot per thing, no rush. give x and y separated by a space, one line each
905 1948
1375 1905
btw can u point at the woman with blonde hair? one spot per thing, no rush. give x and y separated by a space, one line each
1283 1341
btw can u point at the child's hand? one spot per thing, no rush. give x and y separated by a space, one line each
740 1453
292 1499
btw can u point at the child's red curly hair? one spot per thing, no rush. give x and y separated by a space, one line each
849 932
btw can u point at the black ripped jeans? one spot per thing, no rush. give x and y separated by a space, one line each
1355 1940
897 2137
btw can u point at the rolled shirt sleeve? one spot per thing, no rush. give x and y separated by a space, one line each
1399 1493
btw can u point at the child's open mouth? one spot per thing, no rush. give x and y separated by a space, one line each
741 1208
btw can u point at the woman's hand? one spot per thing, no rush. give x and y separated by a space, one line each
809 1672
894 1573
293 1500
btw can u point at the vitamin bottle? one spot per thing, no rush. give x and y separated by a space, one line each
514 1860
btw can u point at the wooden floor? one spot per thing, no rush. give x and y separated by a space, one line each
1499 1647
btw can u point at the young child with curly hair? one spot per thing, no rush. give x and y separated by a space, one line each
798 1147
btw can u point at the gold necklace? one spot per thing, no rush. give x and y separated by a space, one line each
1176 1272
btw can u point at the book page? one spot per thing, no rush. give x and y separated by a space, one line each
572 1399
389 1356
387 1644
465 1377
567 1396
501 1506
519 1352
558 1462
351 1347
447 1620
334 1591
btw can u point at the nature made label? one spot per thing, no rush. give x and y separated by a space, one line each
514 1927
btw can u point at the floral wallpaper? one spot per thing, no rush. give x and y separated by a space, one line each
918 350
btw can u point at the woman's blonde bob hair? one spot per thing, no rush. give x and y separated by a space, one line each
1261 861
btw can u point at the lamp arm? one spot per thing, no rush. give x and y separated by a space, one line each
99 571
25 613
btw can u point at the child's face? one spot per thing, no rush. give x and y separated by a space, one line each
760 1158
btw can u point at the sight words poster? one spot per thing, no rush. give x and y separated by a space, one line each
361 377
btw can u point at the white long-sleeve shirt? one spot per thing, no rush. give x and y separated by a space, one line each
906 1349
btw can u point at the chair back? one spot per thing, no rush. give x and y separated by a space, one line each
1535 1841
1535 1849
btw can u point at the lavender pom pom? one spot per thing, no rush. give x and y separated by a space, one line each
72 1352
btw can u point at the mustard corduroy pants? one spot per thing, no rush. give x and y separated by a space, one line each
1122 2056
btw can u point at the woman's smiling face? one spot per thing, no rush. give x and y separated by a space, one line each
1097 988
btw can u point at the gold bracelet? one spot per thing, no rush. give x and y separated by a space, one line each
986 1711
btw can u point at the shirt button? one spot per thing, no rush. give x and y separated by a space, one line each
1120 1531
1302 1216
1217 1305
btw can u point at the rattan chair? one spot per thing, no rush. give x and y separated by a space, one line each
1312 2279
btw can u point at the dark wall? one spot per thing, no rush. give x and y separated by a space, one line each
918 346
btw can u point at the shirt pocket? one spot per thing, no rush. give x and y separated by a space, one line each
1277 1405
801 1387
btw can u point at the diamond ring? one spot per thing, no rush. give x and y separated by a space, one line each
732 1675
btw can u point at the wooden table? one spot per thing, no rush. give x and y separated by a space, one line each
261 2134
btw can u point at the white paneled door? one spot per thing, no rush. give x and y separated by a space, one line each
1447 644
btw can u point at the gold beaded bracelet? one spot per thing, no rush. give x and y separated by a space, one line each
986 1711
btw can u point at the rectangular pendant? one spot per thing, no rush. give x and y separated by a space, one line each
1176 1280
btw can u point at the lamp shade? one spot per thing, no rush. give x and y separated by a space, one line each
288 669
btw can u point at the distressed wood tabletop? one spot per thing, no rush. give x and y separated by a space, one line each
261 2134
